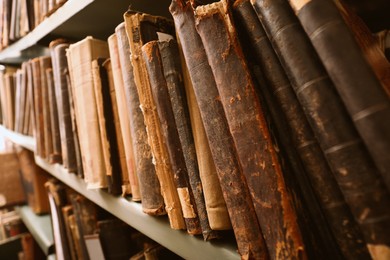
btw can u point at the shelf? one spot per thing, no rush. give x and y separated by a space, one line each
27 142
157 228
75 20
40 228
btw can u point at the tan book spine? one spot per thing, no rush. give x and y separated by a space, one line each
128 178
80 56
159 150
38 109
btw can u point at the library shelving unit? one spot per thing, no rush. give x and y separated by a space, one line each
75 20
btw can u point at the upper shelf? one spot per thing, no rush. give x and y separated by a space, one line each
75 20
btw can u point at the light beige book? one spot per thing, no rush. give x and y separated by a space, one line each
130 177
80 56
164 172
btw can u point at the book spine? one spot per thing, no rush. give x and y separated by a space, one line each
349 160
107 129
344 227
56 157
357 85
152 201
17 99
131 182
67 212
170 59
25 100
159 89
31 98
250 133
239 204
159 150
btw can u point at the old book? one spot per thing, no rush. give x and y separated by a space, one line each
354 170
171 61
17 105
239 204
80 56
34 179
152 201
67 212
159 89
357 85
7 8
142 28
217 213
9 96
129 179
38 108
75 236
110 145
56 156
45 63
119 138
25 100
61 87
340 219
11 189
250 133
58 199
31 99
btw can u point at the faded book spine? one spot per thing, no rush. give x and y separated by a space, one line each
344 227
247 230
159 89
349 160
250 133
56 156
354 79
170 59
147 26
31 99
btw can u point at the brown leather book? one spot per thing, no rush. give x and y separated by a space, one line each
18 102
80 56
25 100
7 6
60 72
67 212
142 28
217 213
9 95
34 179
129 180
159 89
354 170
38 108
233 184
108 135
56 156
31 100
75 236
152 201
354 79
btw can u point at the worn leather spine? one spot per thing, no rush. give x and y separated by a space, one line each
17 99
142 28
39 126
170 58
337 212
108 134
31 99
354 79
27 106
256 151
152 200
159 89
354 170
67 212
233 184
130 182
45 63
56 139
60 70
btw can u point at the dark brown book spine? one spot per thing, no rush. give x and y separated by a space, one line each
170 58
354 79
25 97
67 212
17 99
56 156
151 54
152 201
349 160
60 71
39 125
238 199
31 98
250 133
339 217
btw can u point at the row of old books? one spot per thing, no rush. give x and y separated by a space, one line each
270 117
82 230
19 17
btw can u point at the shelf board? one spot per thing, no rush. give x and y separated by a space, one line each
40 228
157 228
27 142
